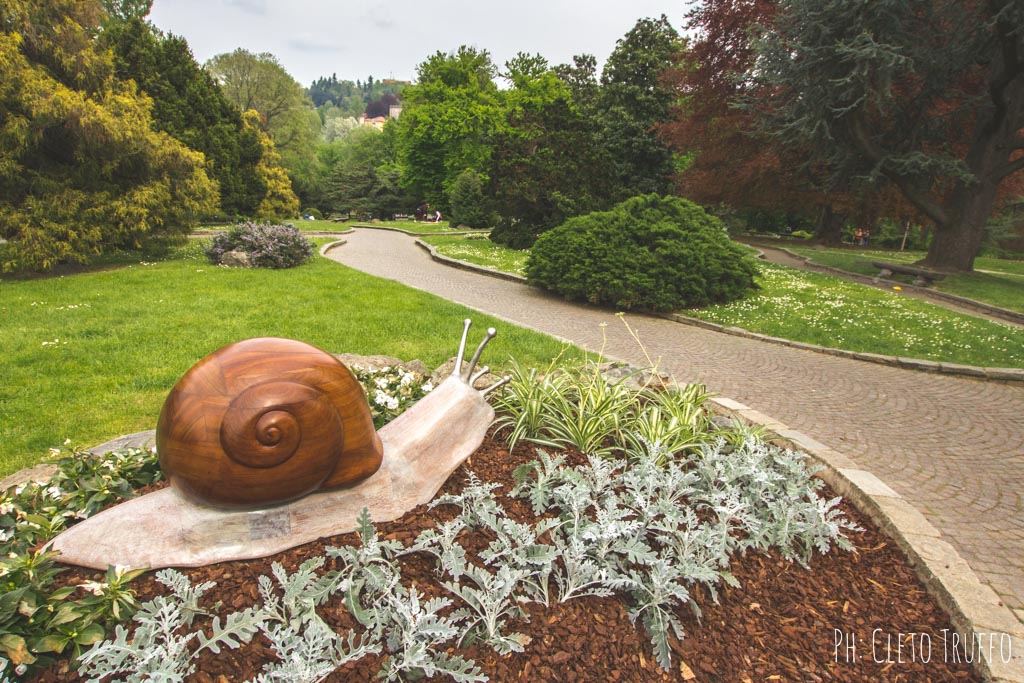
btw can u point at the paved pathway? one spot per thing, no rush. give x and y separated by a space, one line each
953 447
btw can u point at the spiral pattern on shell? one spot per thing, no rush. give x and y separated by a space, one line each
265 421
263 425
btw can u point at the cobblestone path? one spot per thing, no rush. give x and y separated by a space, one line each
953 447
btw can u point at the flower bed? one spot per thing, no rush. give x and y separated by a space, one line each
712 560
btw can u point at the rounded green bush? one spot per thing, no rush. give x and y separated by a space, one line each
650 252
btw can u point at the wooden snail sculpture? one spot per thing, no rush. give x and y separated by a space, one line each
269 443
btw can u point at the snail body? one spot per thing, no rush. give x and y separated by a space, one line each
264 421
269 444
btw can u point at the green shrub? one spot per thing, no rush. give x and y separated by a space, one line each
660 253
801 234
268 246
314 212
469 205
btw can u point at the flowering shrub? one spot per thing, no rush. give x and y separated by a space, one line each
390 391
268 246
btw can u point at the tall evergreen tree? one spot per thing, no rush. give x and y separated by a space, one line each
188 105
926 94
634 99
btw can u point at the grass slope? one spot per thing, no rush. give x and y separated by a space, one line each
482 252
999 282
831 311
91 356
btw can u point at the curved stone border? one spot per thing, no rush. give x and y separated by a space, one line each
466 265
331 245
995 374
417 234
975 609
996 311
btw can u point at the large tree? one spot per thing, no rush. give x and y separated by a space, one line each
547 165
635 98
927 94
81 169
447 123
727 161
259 82
188 105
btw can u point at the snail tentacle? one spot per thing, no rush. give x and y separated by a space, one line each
483 371
503 381
491 333
457 370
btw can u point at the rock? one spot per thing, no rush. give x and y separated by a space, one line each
42 472
143 440
445 370
634 377
235 259
378 362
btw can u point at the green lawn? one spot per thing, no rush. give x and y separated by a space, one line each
999 282
834 312
91 356
482 252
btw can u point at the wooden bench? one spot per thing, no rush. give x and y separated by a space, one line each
923 277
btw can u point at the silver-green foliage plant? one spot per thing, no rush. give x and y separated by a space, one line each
653 525
163 646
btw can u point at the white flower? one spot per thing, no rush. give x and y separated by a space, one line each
381 382
407 379
94 587
427 386
120 569
54 492
20 670
6 508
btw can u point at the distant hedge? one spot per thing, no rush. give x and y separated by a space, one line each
649 252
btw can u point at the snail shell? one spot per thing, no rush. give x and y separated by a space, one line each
265 421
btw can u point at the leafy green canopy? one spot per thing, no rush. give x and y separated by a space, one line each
661 253
548 162
81 170
447 122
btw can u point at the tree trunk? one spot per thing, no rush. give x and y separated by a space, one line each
955 244
829 230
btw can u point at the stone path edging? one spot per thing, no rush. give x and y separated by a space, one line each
466 265
995 374
975 609
417 234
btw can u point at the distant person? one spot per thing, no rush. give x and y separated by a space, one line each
437 216
859 238
867 238
421 212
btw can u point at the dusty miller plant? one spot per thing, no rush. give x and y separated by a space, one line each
163 647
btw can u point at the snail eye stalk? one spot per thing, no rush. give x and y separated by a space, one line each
457 370
491 333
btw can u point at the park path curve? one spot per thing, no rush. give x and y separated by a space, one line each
951 446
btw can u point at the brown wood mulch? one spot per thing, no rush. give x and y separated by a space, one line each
850 617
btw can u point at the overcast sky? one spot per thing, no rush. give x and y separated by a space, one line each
389 38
